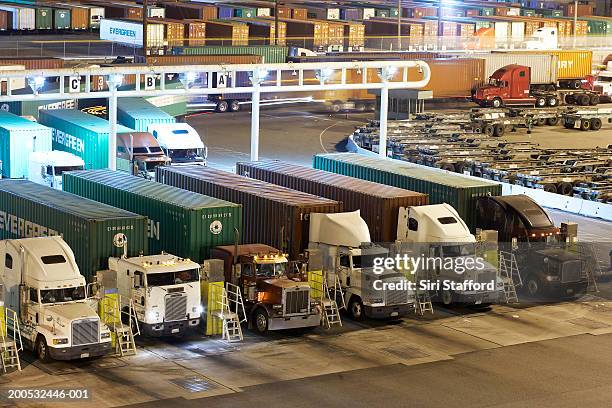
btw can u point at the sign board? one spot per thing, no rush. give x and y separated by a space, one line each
222 80
149 82
124 32
74 84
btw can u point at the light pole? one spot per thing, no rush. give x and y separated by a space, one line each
385 75
114 81
145 13
575 21
399 25
275 22
257 77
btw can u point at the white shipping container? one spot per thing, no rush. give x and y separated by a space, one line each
95 15
333 14
155 35
518 30
514 11
263 12
369 13
157 12
502 30
543 67
16 83
23 18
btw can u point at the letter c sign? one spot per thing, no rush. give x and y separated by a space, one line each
74 84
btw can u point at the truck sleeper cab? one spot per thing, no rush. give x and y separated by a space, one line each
47 167
165 290
273 300
42 283
180 142
545 265
139 154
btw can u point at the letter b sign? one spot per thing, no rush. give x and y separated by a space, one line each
149 82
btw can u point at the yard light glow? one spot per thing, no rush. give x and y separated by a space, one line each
36 83
114 80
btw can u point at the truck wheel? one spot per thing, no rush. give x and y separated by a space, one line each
222 106
42 350
533 286
570 99
540 122
576 84
499 130
356 309
260 320
595 124
594 100
585 124
583 99
540 102
371 107
234 106
550 188
554 121
448 167
496 103
565 188
335 107
487 130
569 123
360 107
552 101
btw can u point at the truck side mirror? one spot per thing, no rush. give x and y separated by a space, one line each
43 171
137 282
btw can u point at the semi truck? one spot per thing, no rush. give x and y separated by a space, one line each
511 85
274 297
47 168
180 142
603 82
545 265
343 240
43 285
439 232
139 153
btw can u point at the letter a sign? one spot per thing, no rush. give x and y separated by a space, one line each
74 84
222 80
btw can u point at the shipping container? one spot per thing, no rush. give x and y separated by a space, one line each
269 54
32 210
299 13
181 222
117 10
4 20
156 12
261 32
61 19
44 18
79 15
226 32
273 215
195 11
205 59
18 138
130 33
307 33
571 64
324 13
570 10
138 114
19 17
174 32
245 12
459 191
95 15
379 204
83 135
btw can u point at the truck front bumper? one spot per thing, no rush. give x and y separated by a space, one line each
294 322
76 352
564 289
176 328
478 298
387 312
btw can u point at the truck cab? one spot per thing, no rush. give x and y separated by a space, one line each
439 232
139 153
343 240
47 167
165 291
275 299
43 284
180 142
509 85
544 38
603 82
545 264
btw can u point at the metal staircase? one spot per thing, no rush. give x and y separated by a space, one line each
11 341
509 271
326 296
231 306
120 317
423 302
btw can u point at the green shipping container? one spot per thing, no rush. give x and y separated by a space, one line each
458 191
528 12
486 11
18 138
245 12
44 18
81 134
138 114
181 222
32 210
61 19
270 54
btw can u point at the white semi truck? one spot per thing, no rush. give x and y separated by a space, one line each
43 284
164 290
603 82
180 142
343 240
438 232
47 167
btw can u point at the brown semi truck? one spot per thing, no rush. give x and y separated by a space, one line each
274 298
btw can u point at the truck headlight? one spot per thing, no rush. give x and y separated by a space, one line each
277 306
60 341
152 315
551 278
377 300
198 309
105 335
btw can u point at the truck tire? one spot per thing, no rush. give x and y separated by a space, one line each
487 130
552 101
260 321
540 102
594 100
565 188
595 124
360 107
540 122
41 349
550 188
583 99
336 107
585 124
533 286
234 106
576 84
569 123
356 309
448 167
554 121
222 106
370 107
570 99
497 103
499 130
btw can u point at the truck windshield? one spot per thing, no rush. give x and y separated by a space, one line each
364 261
269 270
62 295
59 170
185 155
173 278
604 78
451 251
493 82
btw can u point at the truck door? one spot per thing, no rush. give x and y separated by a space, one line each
12 265
519 87
138 295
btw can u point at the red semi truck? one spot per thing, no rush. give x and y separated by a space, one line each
511 85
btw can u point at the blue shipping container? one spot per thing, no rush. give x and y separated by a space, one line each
18 138
226 12
138 114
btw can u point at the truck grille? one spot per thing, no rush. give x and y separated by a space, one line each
85 331
297 301
176 308
571 271
396 297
